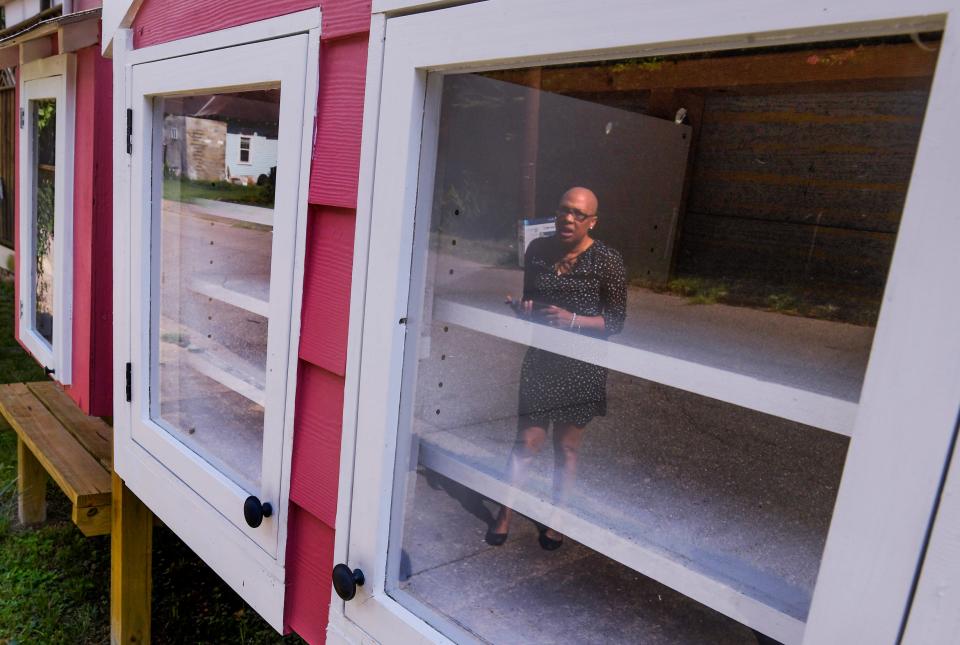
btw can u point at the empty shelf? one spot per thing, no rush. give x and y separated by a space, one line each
246 293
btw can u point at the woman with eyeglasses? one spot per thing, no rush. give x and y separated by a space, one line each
577 284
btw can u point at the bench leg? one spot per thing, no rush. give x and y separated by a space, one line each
31 487
131 546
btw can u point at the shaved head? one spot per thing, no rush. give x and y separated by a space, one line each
583 198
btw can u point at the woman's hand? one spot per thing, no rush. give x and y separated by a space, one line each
522 308
557 317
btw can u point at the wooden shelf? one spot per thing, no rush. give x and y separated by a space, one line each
246 293
757 370
749 596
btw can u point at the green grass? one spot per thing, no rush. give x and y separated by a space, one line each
185 190
819 301
55 583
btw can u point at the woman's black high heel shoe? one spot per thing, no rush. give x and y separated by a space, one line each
548 543
495 539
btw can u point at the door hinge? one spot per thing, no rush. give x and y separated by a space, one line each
129 131
129 383
23 117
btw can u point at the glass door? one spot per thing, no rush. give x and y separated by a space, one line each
643 295
218 168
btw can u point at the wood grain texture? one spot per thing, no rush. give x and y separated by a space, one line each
131 546
160 21
315 472
336 152
309 566
92 520
326 288
344 17
81 477
31 487
92 432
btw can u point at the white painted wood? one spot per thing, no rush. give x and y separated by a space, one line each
910 398
817 410
635 553
116 18
50 78
252 65
410 6
230 374
279 27
218 535
861 599
234 293
77 35
933 616
35 49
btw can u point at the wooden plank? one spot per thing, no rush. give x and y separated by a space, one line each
92 520
92 433
81 477
31 487
131 545
813 65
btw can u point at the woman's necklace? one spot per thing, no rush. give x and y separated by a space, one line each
565 264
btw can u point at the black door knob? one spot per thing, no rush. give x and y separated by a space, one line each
345 581
254 511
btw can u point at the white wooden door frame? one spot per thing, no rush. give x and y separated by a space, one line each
53 77
254 568
913 380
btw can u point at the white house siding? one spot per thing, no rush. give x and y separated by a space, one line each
263 157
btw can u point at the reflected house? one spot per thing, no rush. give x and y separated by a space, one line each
222 138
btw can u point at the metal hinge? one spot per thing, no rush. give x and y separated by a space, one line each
129 131
23 117
129 382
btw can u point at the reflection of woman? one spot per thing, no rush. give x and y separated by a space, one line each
575 283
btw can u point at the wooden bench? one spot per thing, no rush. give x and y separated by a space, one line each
56 438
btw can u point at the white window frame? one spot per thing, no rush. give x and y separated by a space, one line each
913 379
53 77
251 561
249 160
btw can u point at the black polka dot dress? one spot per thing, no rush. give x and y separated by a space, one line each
555 388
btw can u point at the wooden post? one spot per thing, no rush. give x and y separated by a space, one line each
31 486
131 546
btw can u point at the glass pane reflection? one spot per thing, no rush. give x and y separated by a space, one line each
44 119
599 230
212 297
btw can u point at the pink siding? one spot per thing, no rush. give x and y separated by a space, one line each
92 212
316 452
309 561
336 152
91 374
345 17
326 291
160 21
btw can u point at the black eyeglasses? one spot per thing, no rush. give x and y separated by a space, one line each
578 215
